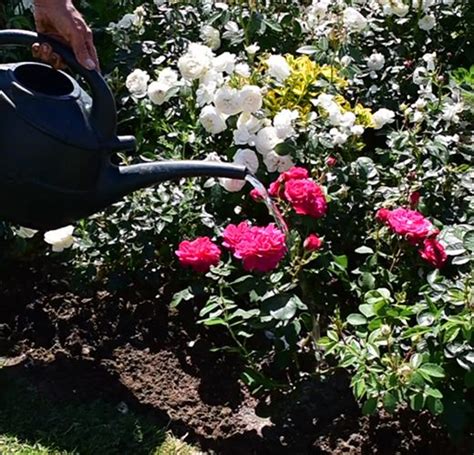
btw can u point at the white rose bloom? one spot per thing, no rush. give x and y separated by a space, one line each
26 233
205 94
283 122
267 140
399 8
252 49
195 63
250 98
346 60
419 75
247 158
60 239
382 117
347 120
451 111
212 120
420 104
427 22
157 92
430 60
211 37
337 136
278 67
242 136
423 4
242 69
357 130
168 76
354 20
250 122
137 83
225 63
376 62
275 162
227 100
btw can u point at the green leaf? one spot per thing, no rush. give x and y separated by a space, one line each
366 310
369 406
341 261
435 405
417 401
435 393
364 250
307 50
431 369
389 402
284 148
415 360
185 294
217 321
356 319
468 240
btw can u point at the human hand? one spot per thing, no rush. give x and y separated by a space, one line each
61 20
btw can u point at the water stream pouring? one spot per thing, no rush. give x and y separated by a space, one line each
56 144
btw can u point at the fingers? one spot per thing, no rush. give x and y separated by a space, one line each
45 52
83 47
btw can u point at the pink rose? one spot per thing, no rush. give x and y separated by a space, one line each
382 215
306 197
260 248
331 161
256 195
411 224
433 252
312 243
294 173
199 254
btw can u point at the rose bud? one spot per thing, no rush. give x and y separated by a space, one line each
312 243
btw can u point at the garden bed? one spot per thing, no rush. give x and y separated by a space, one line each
132 351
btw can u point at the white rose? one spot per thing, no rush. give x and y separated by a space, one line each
354 20
382 117
137 82
26 233
451 111
283 122
157 92
278 67
212 120
195 63
242 69
357 130
376 62
346 60
275 162
205 94
225 63
337 136
211 37
60 239
430 60
227 100
252 49
267 139
427 22
347 120
168 76
247 158
400 9
250 98
242 136
250 122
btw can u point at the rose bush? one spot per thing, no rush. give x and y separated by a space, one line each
357 117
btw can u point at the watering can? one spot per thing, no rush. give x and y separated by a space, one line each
57 141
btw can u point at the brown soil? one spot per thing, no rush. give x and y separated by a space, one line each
131 348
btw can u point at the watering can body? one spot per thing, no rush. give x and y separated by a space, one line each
56 143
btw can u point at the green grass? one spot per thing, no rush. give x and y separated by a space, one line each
32 425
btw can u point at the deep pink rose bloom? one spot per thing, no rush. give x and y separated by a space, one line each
306 197
260 248
233 234
256 195
411 224
382 215
331 161
312 243
294 173
199 254
433 252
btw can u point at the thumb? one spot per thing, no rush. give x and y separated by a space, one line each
81 51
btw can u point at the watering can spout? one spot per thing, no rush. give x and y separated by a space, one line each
119 181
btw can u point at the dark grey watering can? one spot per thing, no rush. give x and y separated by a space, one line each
56 144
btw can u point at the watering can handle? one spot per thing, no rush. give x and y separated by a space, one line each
103 113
